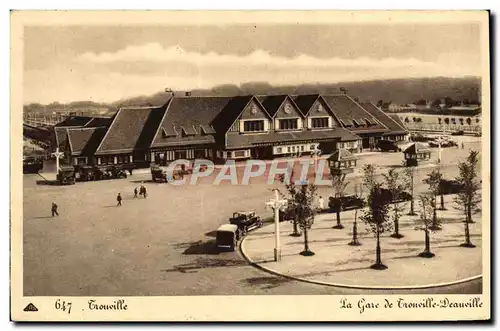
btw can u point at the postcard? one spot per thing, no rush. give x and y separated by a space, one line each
250 166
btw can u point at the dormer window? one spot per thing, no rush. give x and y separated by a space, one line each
169 132
319 122
207 129
188 130
253 126
289 124
345 123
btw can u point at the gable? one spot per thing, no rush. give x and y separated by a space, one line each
288 110
253 111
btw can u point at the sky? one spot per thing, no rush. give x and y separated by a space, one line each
108 63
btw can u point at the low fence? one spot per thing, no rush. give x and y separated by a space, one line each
443 127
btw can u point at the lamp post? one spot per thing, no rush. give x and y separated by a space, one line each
277 204
58 155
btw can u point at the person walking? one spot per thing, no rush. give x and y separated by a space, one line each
462 145
135 192
54 209
119 199
145 193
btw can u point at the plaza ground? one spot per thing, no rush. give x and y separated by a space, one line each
163 245
337 263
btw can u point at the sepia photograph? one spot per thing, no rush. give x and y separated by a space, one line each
238 159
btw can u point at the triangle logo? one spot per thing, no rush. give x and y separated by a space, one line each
30 307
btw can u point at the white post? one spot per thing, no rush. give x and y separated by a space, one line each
276 204
57 154
277 249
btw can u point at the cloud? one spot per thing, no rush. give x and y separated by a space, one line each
154 52
149 68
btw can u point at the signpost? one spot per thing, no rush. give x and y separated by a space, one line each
277 204
58 155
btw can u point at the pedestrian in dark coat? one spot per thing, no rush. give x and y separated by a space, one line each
135 192
54 209
119 199
145 193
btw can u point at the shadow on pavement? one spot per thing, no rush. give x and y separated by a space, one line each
267 282
203 248
145 181
203 263
47 182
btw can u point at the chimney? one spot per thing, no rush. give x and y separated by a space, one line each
188 93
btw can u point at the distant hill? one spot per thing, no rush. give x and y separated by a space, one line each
401 91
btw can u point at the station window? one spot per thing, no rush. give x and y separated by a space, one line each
288 124
253 126
319 122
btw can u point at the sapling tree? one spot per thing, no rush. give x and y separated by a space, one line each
377 218
395 186
359 194
427 204
409 173
305 212
291 207
339 184
368 176
433 180
468 199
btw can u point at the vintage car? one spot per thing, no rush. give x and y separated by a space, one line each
403 196
447 186
246 221
160 174
227 236
346 202
113 172
66 175
420 137
458 133
93 173
386 145
444 143
32 165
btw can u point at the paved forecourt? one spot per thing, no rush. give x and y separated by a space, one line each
337 263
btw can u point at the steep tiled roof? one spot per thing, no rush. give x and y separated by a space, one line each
132 129
60 134
196 120
74 121
342 155
348 110
98 121
382 117
398 120
305 102
187 115
272 102
84 141
417 148
249 140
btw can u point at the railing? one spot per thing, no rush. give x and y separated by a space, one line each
473 128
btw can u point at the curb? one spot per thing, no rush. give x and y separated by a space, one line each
362 287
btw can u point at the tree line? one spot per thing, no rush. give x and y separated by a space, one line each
381 211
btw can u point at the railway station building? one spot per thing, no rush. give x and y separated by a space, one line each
224 128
